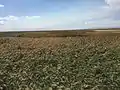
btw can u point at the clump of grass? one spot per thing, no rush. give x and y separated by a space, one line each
4 40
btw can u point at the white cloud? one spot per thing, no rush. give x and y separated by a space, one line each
101 17
113 3
32 17
110 11
1 5
16 18
10 21
1 22
7 18
106 16
11 18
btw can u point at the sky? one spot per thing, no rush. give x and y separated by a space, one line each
58 14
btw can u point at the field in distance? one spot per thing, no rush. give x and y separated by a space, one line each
61 33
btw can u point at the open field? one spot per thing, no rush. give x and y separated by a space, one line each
90 62
61 33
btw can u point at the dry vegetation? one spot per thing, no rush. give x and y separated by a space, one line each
61 33
61 63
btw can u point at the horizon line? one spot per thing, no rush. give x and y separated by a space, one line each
41 30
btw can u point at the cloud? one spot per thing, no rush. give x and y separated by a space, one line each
32 17
1 22
4 20
105 16
115 4
113 9
110 11
11 18
104 23
53 21
1 5
7 18
16 18
11 21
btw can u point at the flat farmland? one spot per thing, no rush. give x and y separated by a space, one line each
87 61
61 33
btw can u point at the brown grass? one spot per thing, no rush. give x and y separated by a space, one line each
70 63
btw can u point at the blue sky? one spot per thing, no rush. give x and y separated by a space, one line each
59 14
